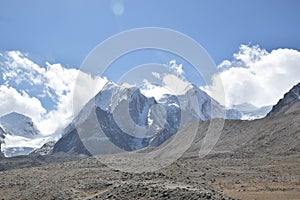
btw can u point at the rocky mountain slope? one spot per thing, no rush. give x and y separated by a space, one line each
46 149
288 104
276 134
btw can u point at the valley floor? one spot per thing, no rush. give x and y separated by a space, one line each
216 177
249 178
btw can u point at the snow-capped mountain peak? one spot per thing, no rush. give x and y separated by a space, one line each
245 107
122 115
251 112
19 135
19 125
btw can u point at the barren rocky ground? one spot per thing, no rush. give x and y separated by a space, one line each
215 177
90 179
252 160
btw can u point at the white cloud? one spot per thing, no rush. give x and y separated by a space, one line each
258 77
18 68
12 100
156 75
19 141
175 84
52 83
85 87
151 90
172 82
176 68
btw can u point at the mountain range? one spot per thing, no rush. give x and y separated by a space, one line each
98 111
153 121
252 159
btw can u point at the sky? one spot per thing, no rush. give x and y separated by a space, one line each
255 45
66 31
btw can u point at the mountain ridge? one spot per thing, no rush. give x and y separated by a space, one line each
289 103
161 118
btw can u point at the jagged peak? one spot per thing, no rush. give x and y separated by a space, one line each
109 85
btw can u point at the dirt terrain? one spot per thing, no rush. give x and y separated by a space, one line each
249 178
257 159
90 179
215 177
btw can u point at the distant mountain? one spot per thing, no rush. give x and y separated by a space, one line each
150 122
250 112
19 125
288 104
19 135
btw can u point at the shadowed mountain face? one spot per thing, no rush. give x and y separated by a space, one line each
288 104
70 143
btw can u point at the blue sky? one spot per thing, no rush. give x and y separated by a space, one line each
66 31
62 33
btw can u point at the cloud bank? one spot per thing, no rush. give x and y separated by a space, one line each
44 93
258 77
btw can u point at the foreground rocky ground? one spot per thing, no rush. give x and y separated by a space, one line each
90 179
248 177
215 177
252 160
